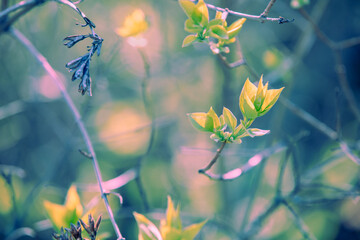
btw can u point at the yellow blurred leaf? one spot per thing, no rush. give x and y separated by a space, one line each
63 215
191 231
147 229
173 215
73 200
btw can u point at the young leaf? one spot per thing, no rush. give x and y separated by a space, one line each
73 200
235 27
169 233
254 132
147 229
189 40
218 32
58 214
230 119
173 215
215 118
64 215
201 121
188 7
215 137
237 140
216 21
238 130
191 231
192 27
202 8
222 121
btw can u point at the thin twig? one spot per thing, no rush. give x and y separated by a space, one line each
258 222
337 112
348 43
342 77
7 24
11 109
295 168
321 127
325 200
251 163
340 69
304 230
321 35
256 160
283 164
149 108
17 6
267 9
77 117
259 18
254 187
235 64
309 118
213 161
111 184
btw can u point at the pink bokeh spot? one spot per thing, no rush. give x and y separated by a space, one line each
255 160
233 174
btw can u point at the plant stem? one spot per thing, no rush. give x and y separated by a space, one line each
213 161
259 18
267 9
257 223
340 69
149 108
9 21
77 117
15 7
309 118
304 230
283 162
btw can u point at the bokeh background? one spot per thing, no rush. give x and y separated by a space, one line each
39 139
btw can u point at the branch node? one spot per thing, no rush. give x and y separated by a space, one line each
86 154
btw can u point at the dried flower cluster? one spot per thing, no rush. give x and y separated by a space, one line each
74 232
81 65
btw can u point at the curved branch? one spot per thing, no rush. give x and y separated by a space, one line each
213 161
47 67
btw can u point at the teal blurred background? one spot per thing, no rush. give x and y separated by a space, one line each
39 137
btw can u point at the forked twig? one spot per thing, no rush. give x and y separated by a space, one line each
261 18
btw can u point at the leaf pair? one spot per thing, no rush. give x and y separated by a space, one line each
253 102
224 128
257 101
170 227
198 23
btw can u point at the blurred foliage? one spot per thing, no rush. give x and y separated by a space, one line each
39 140
170 227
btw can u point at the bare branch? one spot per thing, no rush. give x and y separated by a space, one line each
304 230
11 109
213 161
77 117
259 18
267 9
309 118
340 69
17 6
